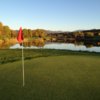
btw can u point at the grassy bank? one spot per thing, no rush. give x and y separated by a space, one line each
50 75
8 55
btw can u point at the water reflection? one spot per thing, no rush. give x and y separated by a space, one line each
87 44
70 46
63 46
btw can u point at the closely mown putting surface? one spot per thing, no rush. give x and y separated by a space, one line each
73 76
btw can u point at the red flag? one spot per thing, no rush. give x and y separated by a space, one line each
20 35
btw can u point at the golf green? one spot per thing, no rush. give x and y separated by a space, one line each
63 77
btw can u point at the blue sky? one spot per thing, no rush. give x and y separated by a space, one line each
65 15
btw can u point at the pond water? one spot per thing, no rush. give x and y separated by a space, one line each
61 46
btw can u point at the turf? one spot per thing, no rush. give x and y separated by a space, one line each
50 75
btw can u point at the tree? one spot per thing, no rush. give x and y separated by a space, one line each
25 33
6 32
30 33
39 33
79 34
89 34
1 28
13 34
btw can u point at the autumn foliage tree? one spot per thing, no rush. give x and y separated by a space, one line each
78 34
89 34
39 33
1 30
25 33
6 32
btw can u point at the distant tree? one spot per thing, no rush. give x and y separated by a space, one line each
39 33
30 33
89 34
25 33
6 32
1 28
13 34
79 34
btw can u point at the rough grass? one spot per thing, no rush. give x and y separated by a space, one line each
55 75
8 55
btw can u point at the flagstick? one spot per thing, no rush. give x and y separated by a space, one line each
23 73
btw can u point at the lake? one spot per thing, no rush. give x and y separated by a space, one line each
62 46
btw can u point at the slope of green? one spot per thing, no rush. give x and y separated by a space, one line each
8 55
55 75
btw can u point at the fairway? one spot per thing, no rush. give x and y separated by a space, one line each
73 76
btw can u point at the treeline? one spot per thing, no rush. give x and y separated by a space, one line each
38 37
34 37
6 32
84 35
92 35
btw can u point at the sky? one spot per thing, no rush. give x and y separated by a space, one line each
61 15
